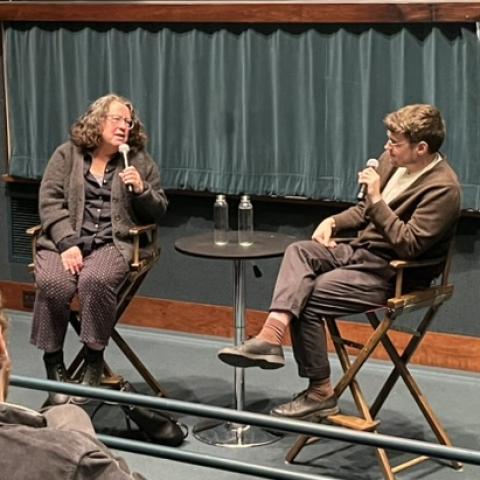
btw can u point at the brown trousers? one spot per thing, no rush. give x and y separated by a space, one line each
315 281
97 285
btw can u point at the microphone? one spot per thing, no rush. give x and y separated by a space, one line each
124 149
373 163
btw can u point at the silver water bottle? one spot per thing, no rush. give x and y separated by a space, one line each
220 220
245 221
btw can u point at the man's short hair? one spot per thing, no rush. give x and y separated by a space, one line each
419 123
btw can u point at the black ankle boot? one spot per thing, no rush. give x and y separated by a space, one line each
56 371
92 376
93 373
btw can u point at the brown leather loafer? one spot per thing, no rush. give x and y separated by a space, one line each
303 407
253 353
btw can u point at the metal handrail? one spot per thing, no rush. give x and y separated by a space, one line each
176 454
243 417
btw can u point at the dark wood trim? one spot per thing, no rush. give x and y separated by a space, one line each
292 200
18 180
261 11
438 349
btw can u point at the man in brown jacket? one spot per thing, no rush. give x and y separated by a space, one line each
411 206
57 444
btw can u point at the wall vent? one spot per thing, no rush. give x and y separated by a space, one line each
23 215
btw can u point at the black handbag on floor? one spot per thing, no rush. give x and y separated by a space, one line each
158 427
153 425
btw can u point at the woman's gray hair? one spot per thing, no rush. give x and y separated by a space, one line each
86 132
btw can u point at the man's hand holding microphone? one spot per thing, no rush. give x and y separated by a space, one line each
369 181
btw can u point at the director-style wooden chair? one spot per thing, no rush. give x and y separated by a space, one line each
139 268
430 300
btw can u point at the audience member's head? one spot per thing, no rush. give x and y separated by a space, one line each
4 357
419 123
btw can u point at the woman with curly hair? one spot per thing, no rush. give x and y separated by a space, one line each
88 201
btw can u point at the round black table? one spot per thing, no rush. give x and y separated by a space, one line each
265 245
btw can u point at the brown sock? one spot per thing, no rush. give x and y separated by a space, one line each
320 389
273 331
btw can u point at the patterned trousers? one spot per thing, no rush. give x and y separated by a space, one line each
97 285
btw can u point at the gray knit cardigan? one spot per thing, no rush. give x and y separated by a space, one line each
62 199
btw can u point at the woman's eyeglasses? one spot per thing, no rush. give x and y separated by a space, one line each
117 120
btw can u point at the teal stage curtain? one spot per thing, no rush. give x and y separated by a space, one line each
288 110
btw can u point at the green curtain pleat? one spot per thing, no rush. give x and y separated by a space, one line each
262 110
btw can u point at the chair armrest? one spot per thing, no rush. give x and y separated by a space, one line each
431 296
398 264
33 232
136 232
139 229
401 265
428 297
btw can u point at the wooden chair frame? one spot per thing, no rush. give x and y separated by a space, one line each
431 299
139 267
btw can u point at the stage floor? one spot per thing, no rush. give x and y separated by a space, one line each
187 367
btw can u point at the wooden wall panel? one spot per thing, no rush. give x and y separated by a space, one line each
438 349
229 11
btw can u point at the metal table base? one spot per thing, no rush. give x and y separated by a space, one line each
265 245
236 435
228 434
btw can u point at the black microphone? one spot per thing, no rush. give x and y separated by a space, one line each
373 163
124 149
